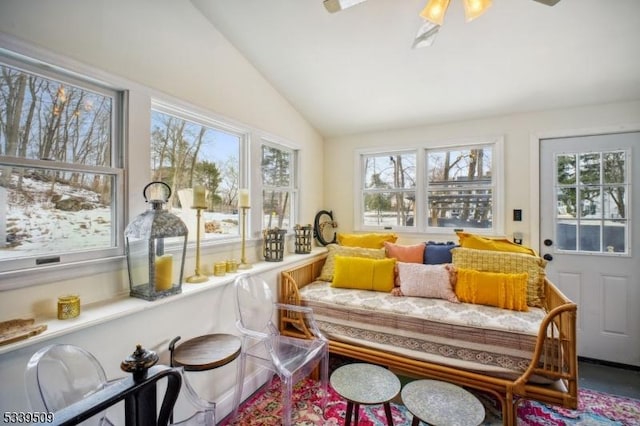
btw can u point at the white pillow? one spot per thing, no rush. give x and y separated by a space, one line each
435 281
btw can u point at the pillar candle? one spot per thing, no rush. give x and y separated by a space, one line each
199 197
244 198
164 272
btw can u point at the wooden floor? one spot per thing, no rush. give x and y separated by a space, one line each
609 379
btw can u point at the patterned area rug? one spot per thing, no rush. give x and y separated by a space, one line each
265 408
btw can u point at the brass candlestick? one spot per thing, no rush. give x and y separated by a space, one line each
197 277
243 258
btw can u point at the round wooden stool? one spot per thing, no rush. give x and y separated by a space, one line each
365 384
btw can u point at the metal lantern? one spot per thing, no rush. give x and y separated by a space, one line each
273 249
303 239
154 273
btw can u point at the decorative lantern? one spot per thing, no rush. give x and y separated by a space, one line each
303 239
274 244
154 273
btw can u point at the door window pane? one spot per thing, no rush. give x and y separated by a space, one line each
615 202
566 235
566 202
590 168
566 169
590 231
614 166
590 202
600 208
614 236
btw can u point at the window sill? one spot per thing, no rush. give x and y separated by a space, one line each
109 310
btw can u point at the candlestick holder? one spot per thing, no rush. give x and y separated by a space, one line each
197 277
243 258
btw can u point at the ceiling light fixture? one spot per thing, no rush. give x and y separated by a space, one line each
435 10
433 14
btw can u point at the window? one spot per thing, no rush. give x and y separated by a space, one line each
60 167
460 187
278 186
592 193
389 194
188 150
432 189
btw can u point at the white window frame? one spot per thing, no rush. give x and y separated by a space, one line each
293 186
12 268
196 115
421 223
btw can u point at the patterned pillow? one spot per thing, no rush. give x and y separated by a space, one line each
334 249
506 263
435 281
506 291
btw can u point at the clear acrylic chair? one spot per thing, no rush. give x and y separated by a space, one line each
290 358
60 375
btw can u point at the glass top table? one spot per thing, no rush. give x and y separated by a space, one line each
441 403
365 384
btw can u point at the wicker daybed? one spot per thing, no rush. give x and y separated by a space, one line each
547 374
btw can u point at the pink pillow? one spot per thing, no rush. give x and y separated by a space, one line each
435 281
407 254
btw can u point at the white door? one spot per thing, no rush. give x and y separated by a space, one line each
590 233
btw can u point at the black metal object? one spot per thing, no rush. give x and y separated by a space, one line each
324 218
139 362
138 391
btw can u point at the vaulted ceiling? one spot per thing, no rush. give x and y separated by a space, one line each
355 71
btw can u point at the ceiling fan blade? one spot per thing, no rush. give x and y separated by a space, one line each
426 34
337 5
548 2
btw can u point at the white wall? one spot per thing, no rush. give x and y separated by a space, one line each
160 46
519 170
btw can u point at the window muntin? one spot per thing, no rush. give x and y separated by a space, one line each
432 189
188 150
277 167
59 168
460 187
389 196
592 198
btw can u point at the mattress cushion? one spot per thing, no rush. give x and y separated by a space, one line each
475 337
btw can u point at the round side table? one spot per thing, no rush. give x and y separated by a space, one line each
365 384
200 354
441 403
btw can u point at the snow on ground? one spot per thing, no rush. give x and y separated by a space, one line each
35 227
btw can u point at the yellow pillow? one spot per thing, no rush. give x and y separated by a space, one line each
506 263
326 274
373 240
364 274
507 291
478 242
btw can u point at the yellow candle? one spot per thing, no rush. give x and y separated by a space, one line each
164 272
199 197
244 198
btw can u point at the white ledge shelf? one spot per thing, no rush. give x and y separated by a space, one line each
109 310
